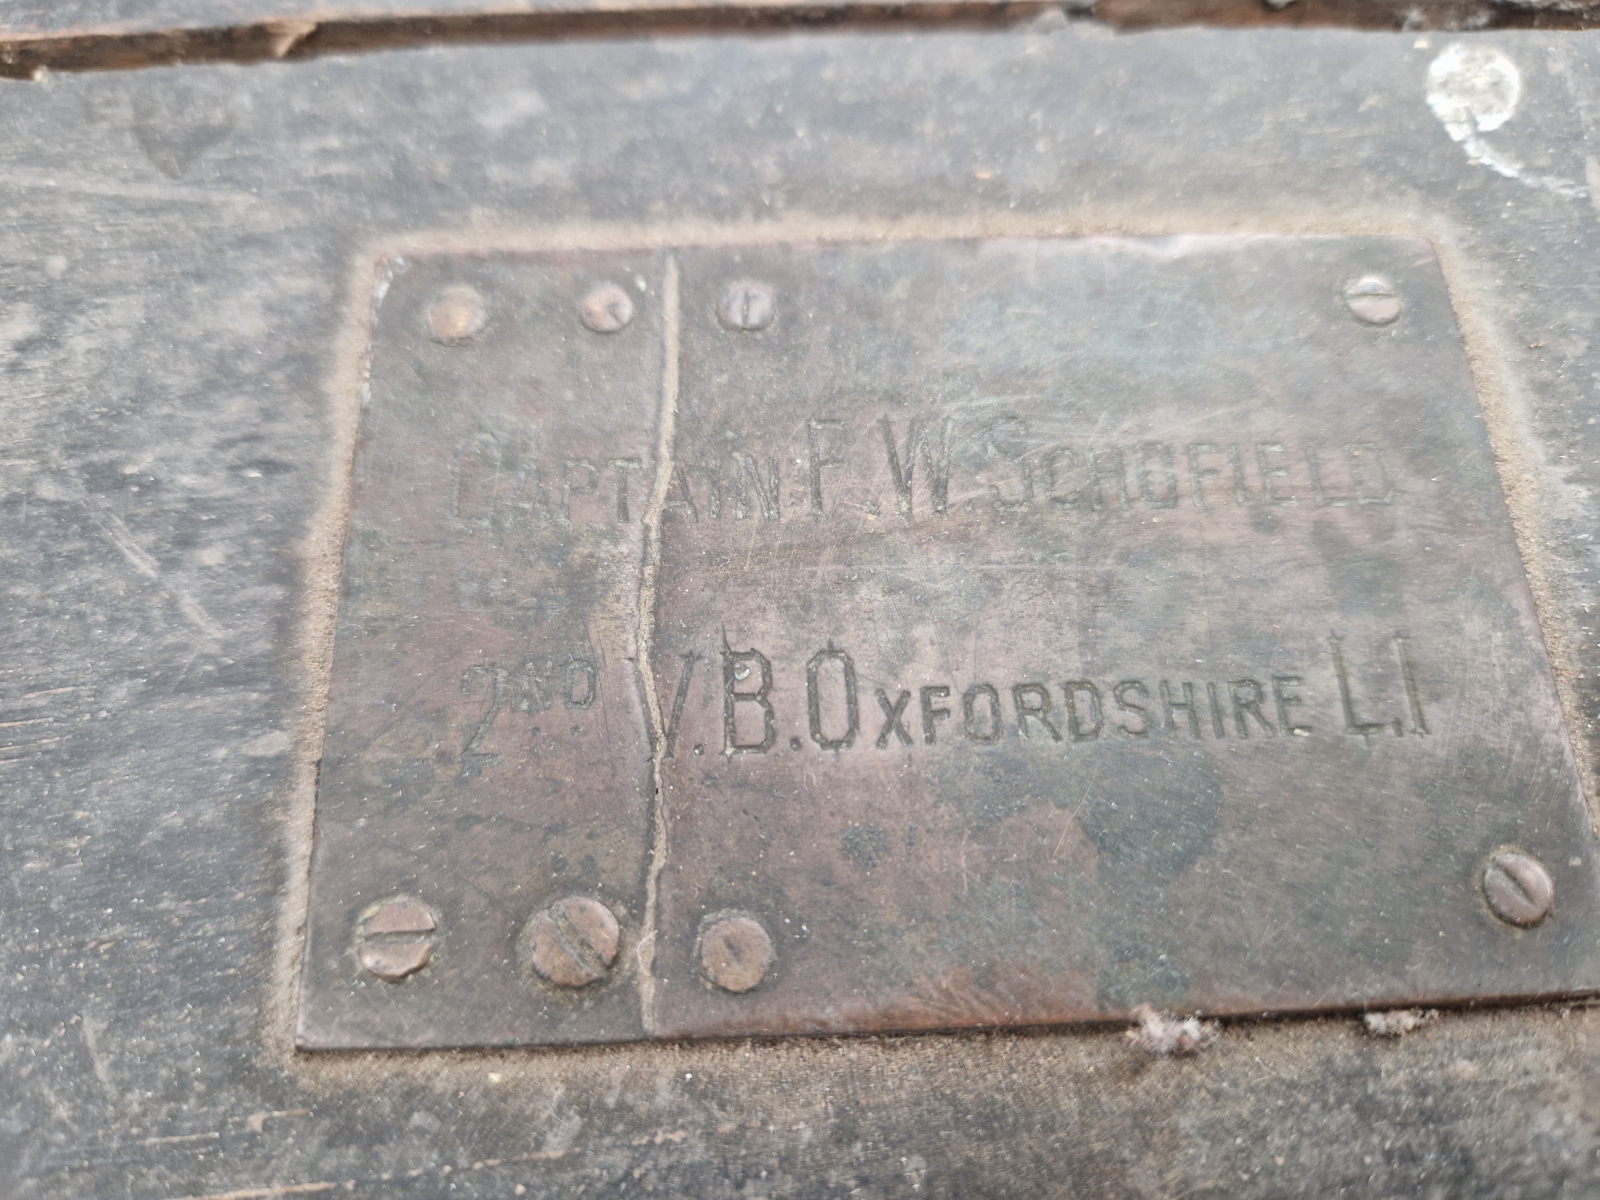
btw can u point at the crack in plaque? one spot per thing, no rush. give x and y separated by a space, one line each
645 641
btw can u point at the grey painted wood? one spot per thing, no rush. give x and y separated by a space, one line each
179 264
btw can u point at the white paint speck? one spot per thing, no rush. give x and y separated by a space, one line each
1474 90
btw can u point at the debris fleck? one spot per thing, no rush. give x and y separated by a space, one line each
1397 1023
1162 1033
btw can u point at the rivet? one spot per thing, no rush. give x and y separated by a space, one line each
1518 888
395 938
457 315
1373 299
736 953
745 306
606 308
573 942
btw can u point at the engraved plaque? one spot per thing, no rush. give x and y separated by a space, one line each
799 638
486 748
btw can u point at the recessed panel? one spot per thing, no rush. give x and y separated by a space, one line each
1007 632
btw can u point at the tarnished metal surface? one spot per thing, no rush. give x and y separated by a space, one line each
1036 628
486 746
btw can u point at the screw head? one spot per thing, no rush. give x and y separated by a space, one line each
606 308
1372 299
1518 888
573 942
736 953
745 306
395 938
457 315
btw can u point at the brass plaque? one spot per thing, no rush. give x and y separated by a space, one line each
824 638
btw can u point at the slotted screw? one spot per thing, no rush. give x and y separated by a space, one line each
573 942
746 306
736 953
1518 888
